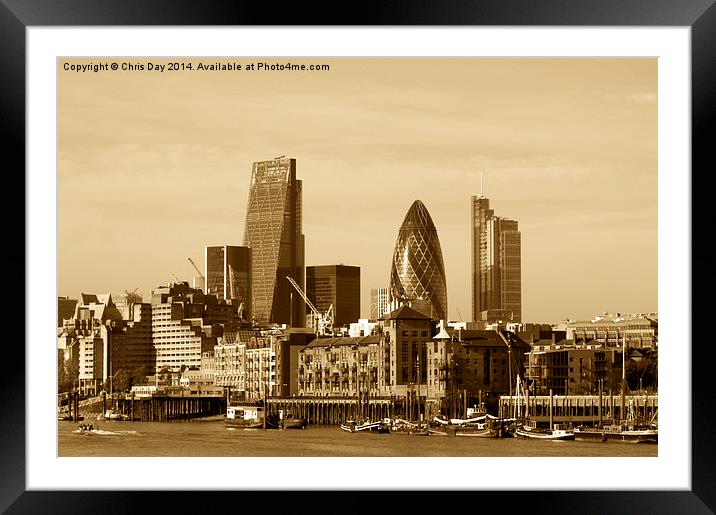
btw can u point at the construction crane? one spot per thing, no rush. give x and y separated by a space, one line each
232 290
201 276
176 279
324 321
196 268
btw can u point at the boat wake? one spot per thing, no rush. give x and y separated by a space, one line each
102 432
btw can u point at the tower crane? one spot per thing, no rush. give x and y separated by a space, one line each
232 287
196 268
201 276
324 320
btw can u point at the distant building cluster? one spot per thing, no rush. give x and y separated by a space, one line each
258 322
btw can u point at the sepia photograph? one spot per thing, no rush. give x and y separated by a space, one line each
357 257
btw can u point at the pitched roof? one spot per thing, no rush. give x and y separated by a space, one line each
88 298
405 312
489 338
343 341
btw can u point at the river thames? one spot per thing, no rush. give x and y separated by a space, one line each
211 438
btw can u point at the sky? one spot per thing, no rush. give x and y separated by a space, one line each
155 165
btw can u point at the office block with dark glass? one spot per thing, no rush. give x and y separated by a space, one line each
338 285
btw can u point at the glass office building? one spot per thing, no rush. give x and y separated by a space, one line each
274 233
417 275
496 264
228 275
337 285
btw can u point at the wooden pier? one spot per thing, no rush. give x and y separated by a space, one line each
582 409
335 410
160 408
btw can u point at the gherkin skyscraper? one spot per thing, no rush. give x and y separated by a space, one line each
417 272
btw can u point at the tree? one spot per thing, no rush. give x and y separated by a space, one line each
67 374
164 376
139 376
122 380
63 383
641 373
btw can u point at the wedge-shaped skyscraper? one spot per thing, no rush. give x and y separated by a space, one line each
417 274
273 231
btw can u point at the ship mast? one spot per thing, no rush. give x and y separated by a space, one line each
622 410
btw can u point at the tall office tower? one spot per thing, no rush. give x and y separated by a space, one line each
417 275
273 231
228 275
338 285
378 303
496 265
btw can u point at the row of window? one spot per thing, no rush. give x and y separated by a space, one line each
415 333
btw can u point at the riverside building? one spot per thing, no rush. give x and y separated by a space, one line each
613 329
186 323
340 367
85 340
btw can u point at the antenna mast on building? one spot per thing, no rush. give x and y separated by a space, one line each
481 190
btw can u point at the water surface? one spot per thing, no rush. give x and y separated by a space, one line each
211 438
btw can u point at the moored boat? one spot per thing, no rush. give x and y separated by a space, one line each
111 414
530 430
351 426
248 417
617 433
485 426
288 421
477 430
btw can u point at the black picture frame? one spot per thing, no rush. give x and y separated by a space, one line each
17 15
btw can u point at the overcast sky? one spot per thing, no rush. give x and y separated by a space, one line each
153 166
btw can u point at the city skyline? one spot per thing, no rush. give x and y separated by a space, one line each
567 148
